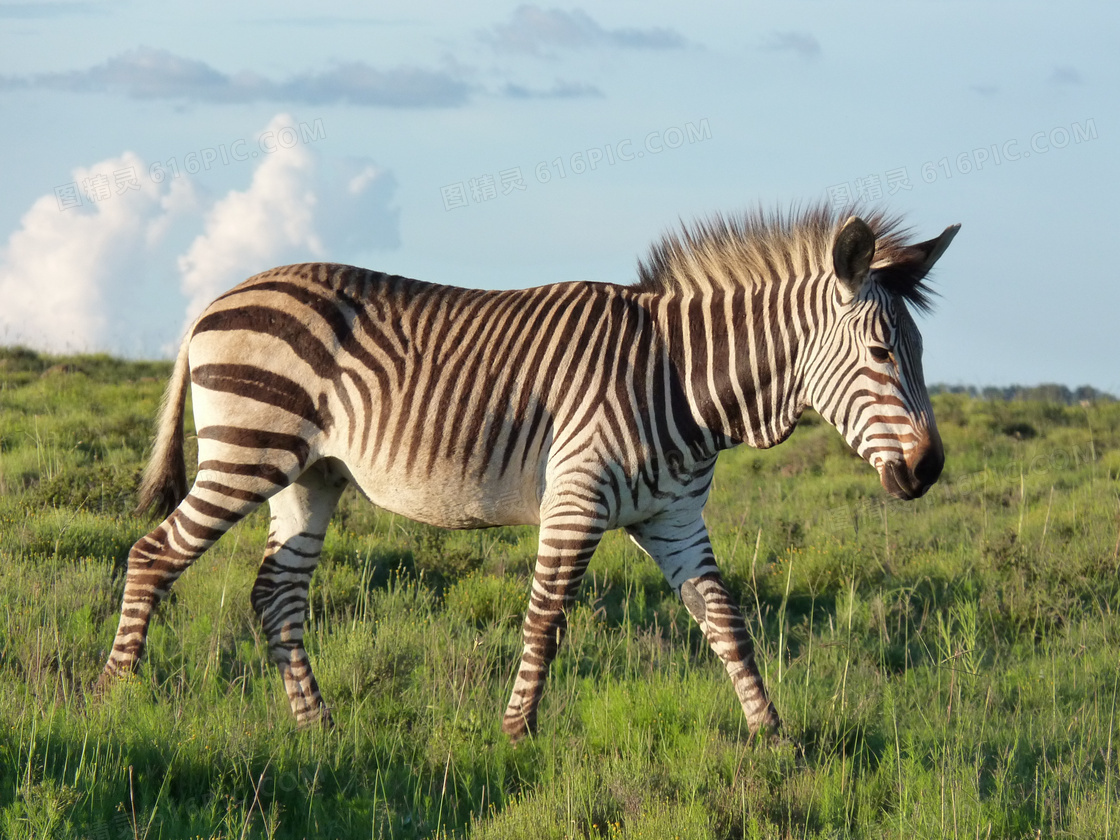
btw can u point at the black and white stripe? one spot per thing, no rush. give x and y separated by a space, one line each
581 407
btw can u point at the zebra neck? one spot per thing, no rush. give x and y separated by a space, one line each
735 354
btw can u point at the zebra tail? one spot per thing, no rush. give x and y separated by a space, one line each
164 483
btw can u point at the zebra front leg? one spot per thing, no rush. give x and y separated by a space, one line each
567 541
708 601
684 554
300 514
158 558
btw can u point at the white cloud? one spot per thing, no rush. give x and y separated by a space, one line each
803 44
38 10
296 209
560 90
533 29
71 279
147 73
246 232
1066 75
117 274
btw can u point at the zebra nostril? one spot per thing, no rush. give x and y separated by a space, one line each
928 468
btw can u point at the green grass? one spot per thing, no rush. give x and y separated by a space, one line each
944 668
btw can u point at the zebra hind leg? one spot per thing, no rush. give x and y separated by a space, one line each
158 558
300 514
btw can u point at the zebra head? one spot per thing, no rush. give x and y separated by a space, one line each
865 373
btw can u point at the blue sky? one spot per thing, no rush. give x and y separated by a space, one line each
153 156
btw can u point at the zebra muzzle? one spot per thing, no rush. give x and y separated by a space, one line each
911 478
896 480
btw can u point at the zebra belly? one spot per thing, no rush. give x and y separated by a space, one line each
451 501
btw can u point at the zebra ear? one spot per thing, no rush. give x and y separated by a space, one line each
930 251
852 252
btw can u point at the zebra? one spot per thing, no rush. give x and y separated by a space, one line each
579 407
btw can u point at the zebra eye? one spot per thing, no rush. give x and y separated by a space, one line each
881 354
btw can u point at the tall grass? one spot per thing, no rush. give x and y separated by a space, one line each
944 668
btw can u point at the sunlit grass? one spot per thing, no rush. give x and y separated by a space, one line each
945 668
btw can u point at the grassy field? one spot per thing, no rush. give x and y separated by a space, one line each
944 668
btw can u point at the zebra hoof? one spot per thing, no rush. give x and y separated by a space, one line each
517 728
777 741
770 733
319 718
105 684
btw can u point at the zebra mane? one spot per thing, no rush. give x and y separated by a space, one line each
760 247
